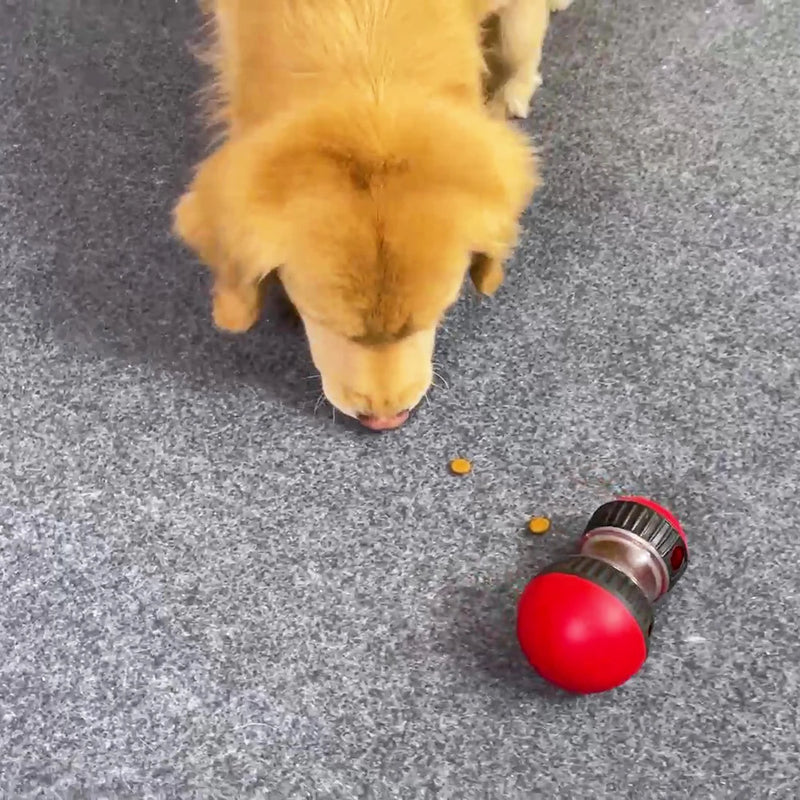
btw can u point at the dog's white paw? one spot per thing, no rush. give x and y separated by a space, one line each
517 96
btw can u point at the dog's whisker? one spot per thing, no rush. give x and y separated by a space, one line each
438 375
319 402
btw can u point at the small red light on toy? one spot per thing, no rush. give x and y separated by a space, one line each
584 622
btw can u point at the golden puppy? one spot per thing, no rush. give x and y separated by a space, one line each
359 162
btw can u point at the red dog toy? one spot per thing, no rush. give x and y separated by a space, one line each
584 623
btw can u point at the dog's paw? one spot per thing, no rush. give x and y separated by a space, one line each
232 312
518 93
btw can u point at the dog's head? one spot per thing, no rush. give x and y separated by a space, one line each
372 214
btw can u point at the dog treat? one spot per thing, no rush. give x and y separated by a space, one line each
460 466
539 525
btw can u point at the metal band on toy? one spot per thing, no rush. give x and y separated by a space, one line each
649 526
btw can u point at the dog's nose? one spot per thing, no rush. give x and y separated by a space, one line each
383 423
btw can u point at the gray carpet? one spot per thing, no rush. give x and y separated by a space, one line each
207 590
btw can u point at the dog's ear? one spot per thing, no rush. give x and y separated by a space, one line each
504 176
228 215
483 169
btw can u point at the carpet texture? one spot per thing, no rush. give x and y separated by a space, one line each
208 590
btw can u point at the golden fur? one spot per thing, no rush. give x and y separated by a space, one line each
359 161
522 25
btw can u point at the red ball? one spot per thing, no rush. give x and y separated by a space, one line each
577 634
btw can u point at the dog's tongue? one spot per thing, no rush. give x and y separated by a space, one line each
383 423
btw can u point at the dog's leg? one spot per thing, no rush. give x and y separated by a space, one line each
523 25
486 273
235 305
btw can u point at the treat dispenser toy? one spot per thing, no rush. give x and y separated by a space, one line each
584 622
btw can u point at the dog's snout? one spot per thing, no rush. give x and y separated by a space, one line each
389 423
379 386
381 411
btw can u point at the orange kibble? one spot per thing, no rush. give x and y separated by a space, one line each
460 466
539 525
